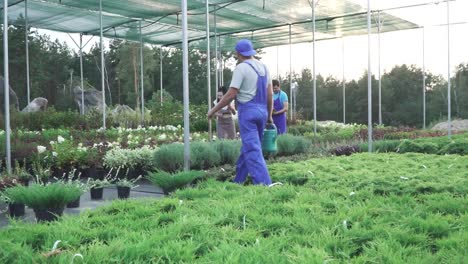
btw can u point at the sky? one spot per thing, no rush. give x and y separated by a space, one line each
397 48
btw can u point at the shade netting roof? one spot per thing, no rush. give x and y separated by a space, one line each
266 22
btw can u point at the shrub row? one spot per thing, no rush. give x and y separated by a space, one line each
204 155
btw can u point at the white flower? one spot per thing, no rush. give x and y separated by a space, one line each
52 142
60 139
352 193
41 149
162 137
80 145
54 154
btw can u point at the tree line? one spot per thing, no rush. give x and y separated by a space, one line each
55 70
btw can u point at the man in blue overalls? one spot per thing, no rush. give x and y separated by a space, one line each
280 108
251 87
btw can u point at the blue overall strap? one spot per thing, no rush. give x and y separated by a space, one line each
262 85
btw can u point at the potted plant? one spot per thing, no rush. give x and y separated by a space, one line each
124 185
97 186
170 182
76 181
21 173
15 209
48 201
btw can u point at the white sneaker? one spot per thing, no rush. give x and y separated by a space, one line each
274 184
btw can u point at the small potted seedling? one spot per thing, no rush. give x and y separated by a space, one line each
124 185
97 186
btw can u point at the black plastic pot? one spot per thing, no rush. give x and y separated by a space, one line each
16 209
24 182
48 215
96 193
74 204
123 192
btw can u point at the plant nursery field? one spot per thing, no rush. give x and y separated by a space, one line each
363 208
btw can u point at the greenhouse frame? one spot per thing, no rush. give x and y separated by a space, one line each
209 25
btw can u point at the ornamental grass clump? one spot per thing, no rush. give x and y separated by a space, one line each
169 157
44 197
290 145
203 156
170 182
228 150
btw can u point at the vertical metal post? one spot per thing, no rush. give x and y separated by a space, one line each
277 62
424 76
208 66
26 39
141 79
369 79
81 75
102 68
161 73
379 25
6 86
290 73
344 79
186 86
216 52
314 80
221 62
449 94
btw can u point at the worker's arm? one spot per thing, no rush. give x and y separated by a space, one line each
284 110
225 100
270 102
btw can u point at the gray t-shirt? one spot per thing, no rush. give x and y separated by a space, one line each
244 78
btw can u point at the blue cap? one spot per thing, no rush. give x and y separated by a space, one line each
245 47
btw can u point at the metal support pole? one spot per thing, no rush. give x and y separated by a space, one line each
161 73
6 86
290 73
102 68
186 86
142 80
81 75
369 79
208 66
379 25
277 62
314 80
424 77
449 94
344 80
26 38
216 52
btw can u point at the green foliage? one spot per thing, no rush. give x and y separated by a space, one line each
381 146
455 147
364 208
37 196
171 182
203 155
140 158
169 157
412 146
228 150
290 145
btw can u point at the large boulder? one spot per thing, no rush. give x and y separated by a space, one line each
13 98
92 99
456 125
36 105
122 109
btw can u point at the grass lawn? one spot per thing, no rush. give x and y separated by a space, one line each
365 208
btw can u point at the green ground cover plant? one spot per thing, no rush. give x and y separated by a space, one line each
364 208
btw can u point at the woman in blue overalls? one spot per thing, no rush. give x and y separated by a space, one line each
251 88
